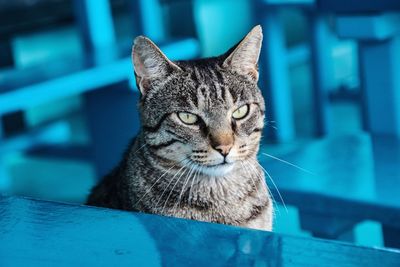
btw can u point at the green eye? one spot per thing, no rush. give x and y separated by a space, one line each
241 112
188 118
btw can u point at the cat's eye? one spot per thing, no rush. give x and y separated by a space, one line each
188 118
241 112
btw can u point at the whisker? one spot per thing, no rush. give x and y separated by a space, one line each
188 176
166 188
137 150
254 183
172 190
272 180
158 179
267 189
273 127
289 163
191 186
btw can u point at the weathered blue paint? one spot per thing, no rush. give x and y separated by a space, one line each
38 233
354 178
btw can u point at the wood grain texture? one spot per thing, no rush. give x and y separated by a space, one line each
39 233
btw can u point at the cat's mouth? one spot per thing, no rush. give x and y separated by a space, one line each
219 169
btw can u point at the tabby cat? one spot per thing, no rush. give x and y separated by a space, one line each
195 155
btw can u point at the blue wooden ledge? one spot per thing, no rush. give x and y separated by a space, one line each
40 233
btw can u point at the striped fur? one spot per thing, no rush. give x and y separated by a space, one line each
205 171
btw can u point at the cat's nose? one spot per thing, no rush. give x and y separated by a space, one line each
224 149
222 142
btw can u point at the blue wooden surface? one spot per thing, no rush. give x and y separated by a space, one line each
39 233
353 178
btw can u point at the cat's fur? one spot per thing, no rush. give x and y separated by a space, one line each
207 171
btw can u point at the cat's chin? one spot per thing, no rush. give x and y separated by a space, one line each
216 170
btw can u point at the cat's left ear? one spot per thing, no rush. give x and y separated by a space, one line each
244 57
150 63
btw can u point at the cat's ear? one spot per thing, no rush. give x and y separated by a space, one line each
149 63
244 57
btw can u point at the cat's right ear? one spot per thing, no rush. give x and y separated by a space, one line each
149 63
243 58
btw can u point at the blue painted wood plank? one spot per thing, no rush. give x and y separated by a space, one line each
75 83
39 233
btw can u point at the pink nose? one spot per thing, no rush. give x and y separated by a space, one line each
224 149
222 142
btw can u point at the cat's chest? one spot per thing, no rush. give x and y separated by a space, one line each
221 209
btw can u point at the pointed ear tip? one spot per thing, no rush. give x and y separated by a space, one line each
257 29
140 40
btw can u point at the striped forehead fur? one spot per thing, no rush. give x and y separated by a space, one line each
203 82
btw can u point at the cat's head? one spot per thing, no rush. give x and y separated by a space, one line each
207 114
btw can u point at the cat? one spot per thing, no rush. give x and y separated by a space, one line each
195 155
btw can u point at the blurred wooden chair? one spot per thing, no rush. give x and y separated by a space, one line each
357 173
103 76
